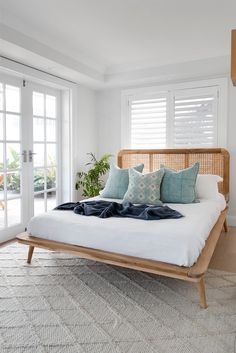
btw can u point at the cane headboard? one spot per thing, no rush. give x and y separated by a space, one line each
211 160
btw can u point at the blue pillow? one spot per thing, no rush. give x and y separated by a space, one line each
179 186
144 188
118 181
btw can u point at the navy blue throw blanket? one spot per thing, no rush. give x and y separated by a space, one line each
106 209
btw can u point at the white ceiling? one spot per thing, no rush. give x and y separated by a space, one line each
113 36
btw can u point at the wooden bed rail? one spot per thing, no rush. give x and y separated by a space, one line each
212 161
194 273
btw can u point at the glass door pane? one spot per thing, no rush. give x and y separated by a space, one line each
45 149
10 156
29 168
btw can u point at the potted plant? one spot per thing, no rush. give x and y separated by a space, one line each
91 182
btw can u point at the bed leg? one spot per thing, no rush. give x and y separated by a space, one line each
30 254
202 293
226 228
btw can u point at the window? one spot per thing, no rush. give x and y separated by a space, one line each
179 116
195 118
148 122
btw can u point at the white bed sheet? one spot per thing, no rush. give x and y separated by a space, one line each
175 241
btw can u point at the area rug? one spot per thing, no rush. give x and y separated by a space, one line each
63 304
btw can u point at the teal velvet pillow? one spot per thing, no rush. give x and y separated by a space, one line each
118 181
179 186
144 188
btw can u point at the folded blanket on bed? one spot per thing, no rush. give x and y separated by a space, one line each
106 209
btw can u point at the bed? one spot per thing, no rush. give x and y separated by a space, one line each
178 248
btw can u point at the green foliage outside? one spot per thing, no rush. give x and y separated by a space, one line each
13 179
91 182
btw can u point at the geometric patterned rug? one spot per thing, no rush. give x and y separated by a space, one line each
63 304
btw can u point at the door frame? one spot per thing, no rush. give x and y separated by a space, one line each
55 92
9 232
26 143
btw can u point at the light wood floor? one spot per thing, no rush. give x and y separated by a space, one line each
224 257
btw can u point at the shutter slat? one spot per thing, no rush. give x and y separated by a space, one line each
193 117
149 105
193 124
192 112
148 111
149 101
194 121
148 123
196 100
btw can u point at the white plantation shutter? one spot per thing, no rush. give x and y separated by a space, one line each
148 122
195 118
175 118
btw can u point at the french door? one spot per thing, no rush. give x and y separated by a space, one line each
45 149
29 152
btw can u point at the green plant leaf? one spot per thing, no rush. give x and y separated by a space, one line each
91 182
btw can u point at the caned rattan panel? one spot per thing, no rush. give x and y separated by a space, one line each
211 160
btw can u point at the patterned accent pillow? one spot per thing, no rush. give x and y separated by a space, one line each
144 188
118 181
179 186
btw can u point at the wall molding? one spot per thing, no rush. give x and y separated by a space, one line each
21 47
18 46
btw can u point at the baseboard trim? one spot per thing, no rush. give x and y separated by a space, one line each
5 243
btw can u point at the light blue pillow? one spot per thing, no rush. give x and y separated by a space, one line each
144 188
118 181
179 186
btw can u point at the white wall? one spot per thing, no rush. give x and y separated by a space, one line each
232 150
109 127
109 121
84 130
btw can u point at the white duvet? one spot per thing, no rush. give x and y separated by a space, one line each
176 241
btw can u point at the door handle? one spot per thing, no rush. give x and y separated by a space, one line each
31 153
24 155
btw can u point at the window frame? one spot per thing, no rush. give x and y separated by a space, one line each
220 84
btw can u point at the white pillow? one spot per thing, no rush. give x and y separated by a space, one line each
207 186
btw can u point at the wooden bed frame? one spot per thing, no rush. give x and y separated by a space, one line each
212 161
